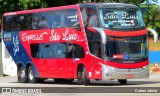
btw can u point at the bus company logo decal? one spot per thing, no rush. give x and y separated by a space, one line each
97 72
7 37
16 44
67 36
55 36
33 37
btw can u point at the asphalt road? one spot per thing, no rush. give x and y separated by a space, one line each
137 87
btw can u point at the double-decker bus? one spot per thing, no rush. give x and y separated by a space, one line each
85 41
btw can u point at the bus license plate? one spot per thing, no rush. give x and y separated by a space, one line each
129 76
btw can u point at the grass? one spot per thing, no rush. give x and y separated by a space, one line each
154 46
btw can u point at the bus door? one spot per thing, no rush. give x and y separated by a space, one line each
71 36
75 54
60 50
94 42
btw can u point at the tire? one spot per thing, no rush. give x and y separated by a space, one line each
31 75
122 81
22 76
82 77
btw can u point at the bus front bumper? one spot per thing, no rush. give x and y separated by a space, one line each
109 73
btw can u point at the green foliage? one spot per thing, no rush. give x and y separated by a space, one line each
17 5
31 4
151 18
136 2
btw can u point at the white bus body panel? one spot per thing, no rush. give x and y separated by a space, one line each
9 66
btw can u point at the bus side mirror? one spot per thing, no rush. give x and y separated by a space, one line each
155 34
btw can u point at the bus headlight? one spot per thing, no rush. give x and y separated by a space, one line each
144 67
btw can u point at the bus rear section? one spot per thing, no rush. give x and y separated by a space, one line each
46 43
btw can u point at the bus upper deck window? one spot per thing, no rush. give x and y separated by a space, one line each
43 23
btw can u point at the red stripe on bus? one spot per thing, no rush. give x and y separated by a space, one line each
124 33
128 65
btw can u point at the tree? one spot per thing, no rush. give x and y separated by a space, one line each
151 17
136 2
17 5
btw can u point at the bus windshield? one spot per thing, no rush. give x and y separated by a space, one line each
121 19
127 48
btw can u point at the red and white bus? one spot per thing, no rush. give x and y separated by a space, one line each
84 41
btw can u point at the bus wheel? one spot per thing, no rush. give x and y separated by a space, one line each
82 78
122 81
22 78
31 75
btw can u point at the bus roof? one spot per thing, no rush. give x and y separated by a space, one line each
98 5
110 5
40 10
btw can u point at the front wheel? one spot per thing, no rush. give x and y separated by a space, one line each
82 77
31 75
122 81
22 76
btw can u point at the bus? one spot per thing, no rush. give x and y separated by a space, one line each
99 41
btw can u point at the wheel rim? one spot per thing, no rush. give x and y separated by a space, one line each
22 73
31 75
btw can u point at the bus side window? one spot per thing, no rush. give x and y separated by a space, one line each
70 49
58 19
96 48
78 52
72 18
75 51
61 50
84 17
92 17
35 21
34 50
43 23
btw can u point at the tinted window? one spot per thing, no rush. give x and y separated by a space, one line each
57 50
121 18
48 50
41 20
90 17
75 51
71 18
94 43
